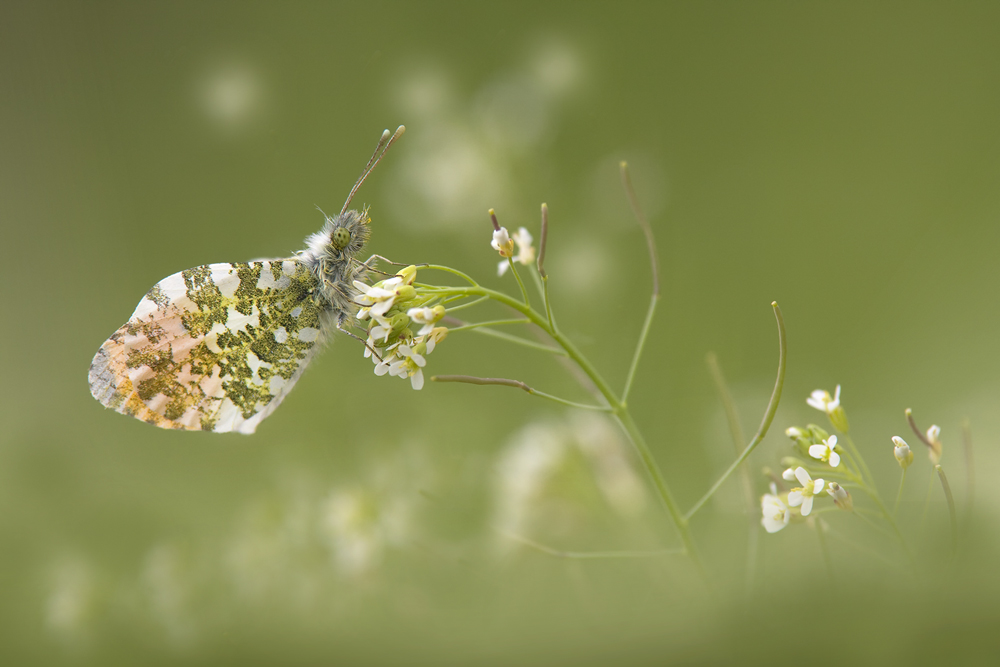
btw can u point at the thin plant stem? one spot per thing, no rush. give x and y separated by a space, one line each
951 505
520 283
765 424
548 302
486 331
617 408
633 201
467 304
654 264
471 379
455 272
859 460
899 494
491 323
543 240
736 432
637 355
559 553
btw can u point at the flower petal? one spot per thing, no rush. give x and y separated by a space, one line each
818 452
803 476
807 505
834 459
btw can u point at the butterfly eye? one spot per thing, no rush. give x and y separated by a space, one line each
340 238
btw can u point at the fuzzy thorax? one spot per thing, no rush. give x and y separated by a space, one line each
330 254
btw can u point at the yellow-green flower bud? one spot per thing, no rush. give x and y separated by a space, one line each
902 452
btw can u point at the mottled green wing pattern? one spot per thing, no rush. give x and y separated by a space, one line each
213 348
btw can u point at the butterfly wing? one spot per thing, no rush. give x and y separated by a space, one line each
213 348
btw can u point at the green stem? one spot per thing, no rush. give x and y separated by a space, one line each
899 494
951 505
467 304
520 283
519 341
617 407
491 323
765 424
640 345
859 460
454 272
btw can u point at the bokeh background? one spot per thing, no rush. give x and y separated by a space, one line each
841 158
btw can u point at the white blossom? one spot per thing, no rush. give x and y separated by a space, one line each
825 452
428 317
803 495
526 252
820 399
502 242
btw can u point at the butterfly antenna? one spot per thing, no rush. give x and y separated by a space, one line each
381 149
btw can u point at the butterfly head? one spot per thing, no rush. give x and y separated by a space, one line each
342 236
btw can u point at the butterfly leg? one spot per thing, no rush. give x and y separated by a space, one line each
363 341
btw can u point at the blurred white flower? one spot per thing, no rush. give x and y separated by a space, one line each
776 513
821 400
71 599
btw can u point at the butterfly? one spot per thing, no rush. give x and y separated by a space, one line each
218 347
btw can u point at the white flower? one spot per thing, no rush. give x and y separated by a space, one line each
776 514
377 299
820 399
526 254
803 495
408 364
502 242
428 317
794 433
825 452
902 452
788 475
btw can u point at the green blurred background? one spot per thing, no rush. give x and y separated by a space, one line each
842 159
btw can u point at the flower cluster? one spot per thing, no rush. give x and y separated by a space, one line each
391 306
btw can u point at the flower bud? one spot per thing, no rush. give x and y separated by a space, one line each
405 292
841 497
933 434
502 242
902 452
794 433
409 274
